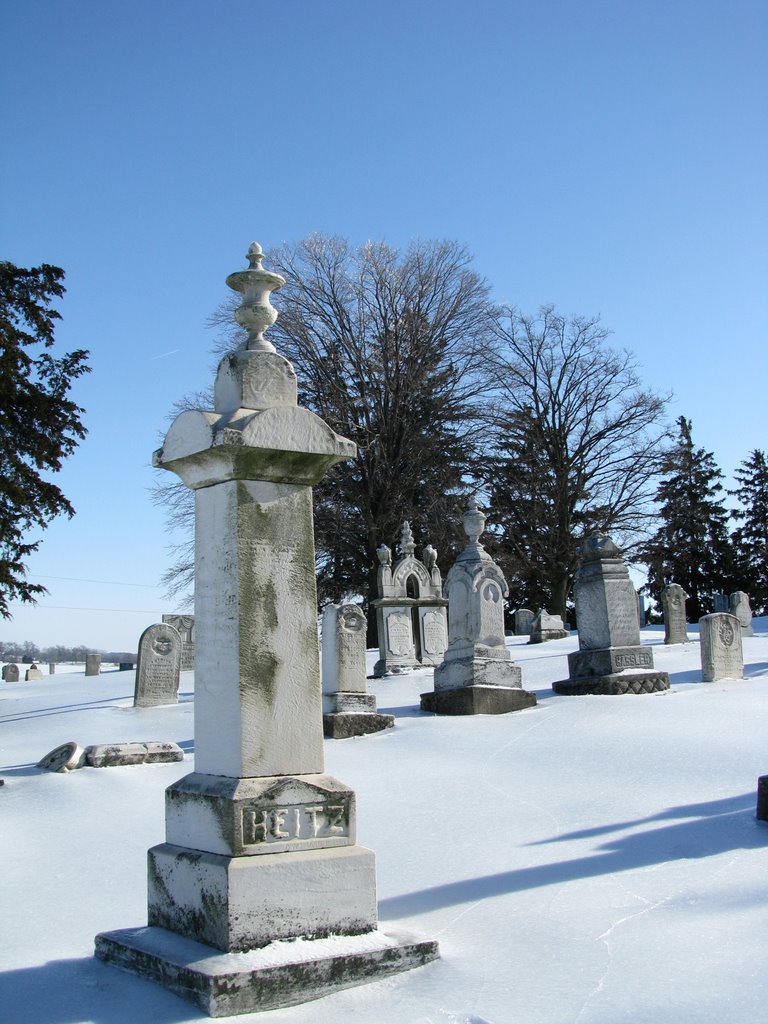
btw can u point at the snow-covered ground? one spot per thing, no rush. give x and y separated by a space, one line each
587 861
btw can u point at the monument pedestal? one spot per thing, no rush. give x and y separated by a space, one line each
614 683
281 974
477 700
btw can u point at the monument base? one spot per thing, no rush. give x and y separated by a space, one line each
761 811
477 700
549 634
614 684
346 724
384 667
281 974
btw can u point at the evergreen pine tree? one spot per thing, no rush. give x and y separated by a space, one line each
691 547
750 538
40 425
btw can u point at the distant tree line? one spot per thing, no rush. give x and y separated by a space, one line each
26 652
447 394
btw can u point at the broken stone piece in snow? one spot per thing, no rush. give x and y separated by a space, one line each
64 758
111 755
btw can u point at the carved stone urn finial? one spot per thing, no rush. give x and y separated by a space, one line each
256 314
407 546
474 521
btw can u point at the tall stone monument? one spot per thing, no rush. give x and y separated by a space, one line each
673 599
348 708
410 609
721 651
477 676
610 659
260 842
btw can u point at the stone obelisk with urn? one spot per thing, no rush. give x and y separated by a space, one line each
260 842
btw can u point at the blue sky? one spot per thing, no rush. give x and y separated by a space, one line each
608 157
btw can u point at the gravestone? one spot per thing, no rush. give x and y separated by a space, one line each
52 668
185 624
523 621
477 676
641 610
720 642
157 670
673 599
348 708
739 606
33 673
92 664
720 603
64 758
10 673
260 842
410 609
610 659
547 627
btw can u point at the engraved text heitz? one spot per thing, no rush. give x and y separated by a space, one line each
297 823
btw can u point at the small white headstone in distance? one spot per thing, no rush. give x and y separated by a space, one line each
721 654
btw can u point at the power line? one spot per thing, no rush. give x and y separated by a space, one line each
71 608
75 579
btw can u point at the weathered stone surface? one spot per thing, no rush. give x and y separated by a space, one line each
10 673
614 684
673 599
343 652
410 609
239 903
112 755
64 758
477 700
259 980
185 625
547 627
344 725
720 643
93 664
740 607
253 817
476 655
610 659
523 621
32 674
159 664
345 695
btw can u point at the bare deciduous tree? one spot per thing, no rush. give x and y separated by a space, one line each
578 442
